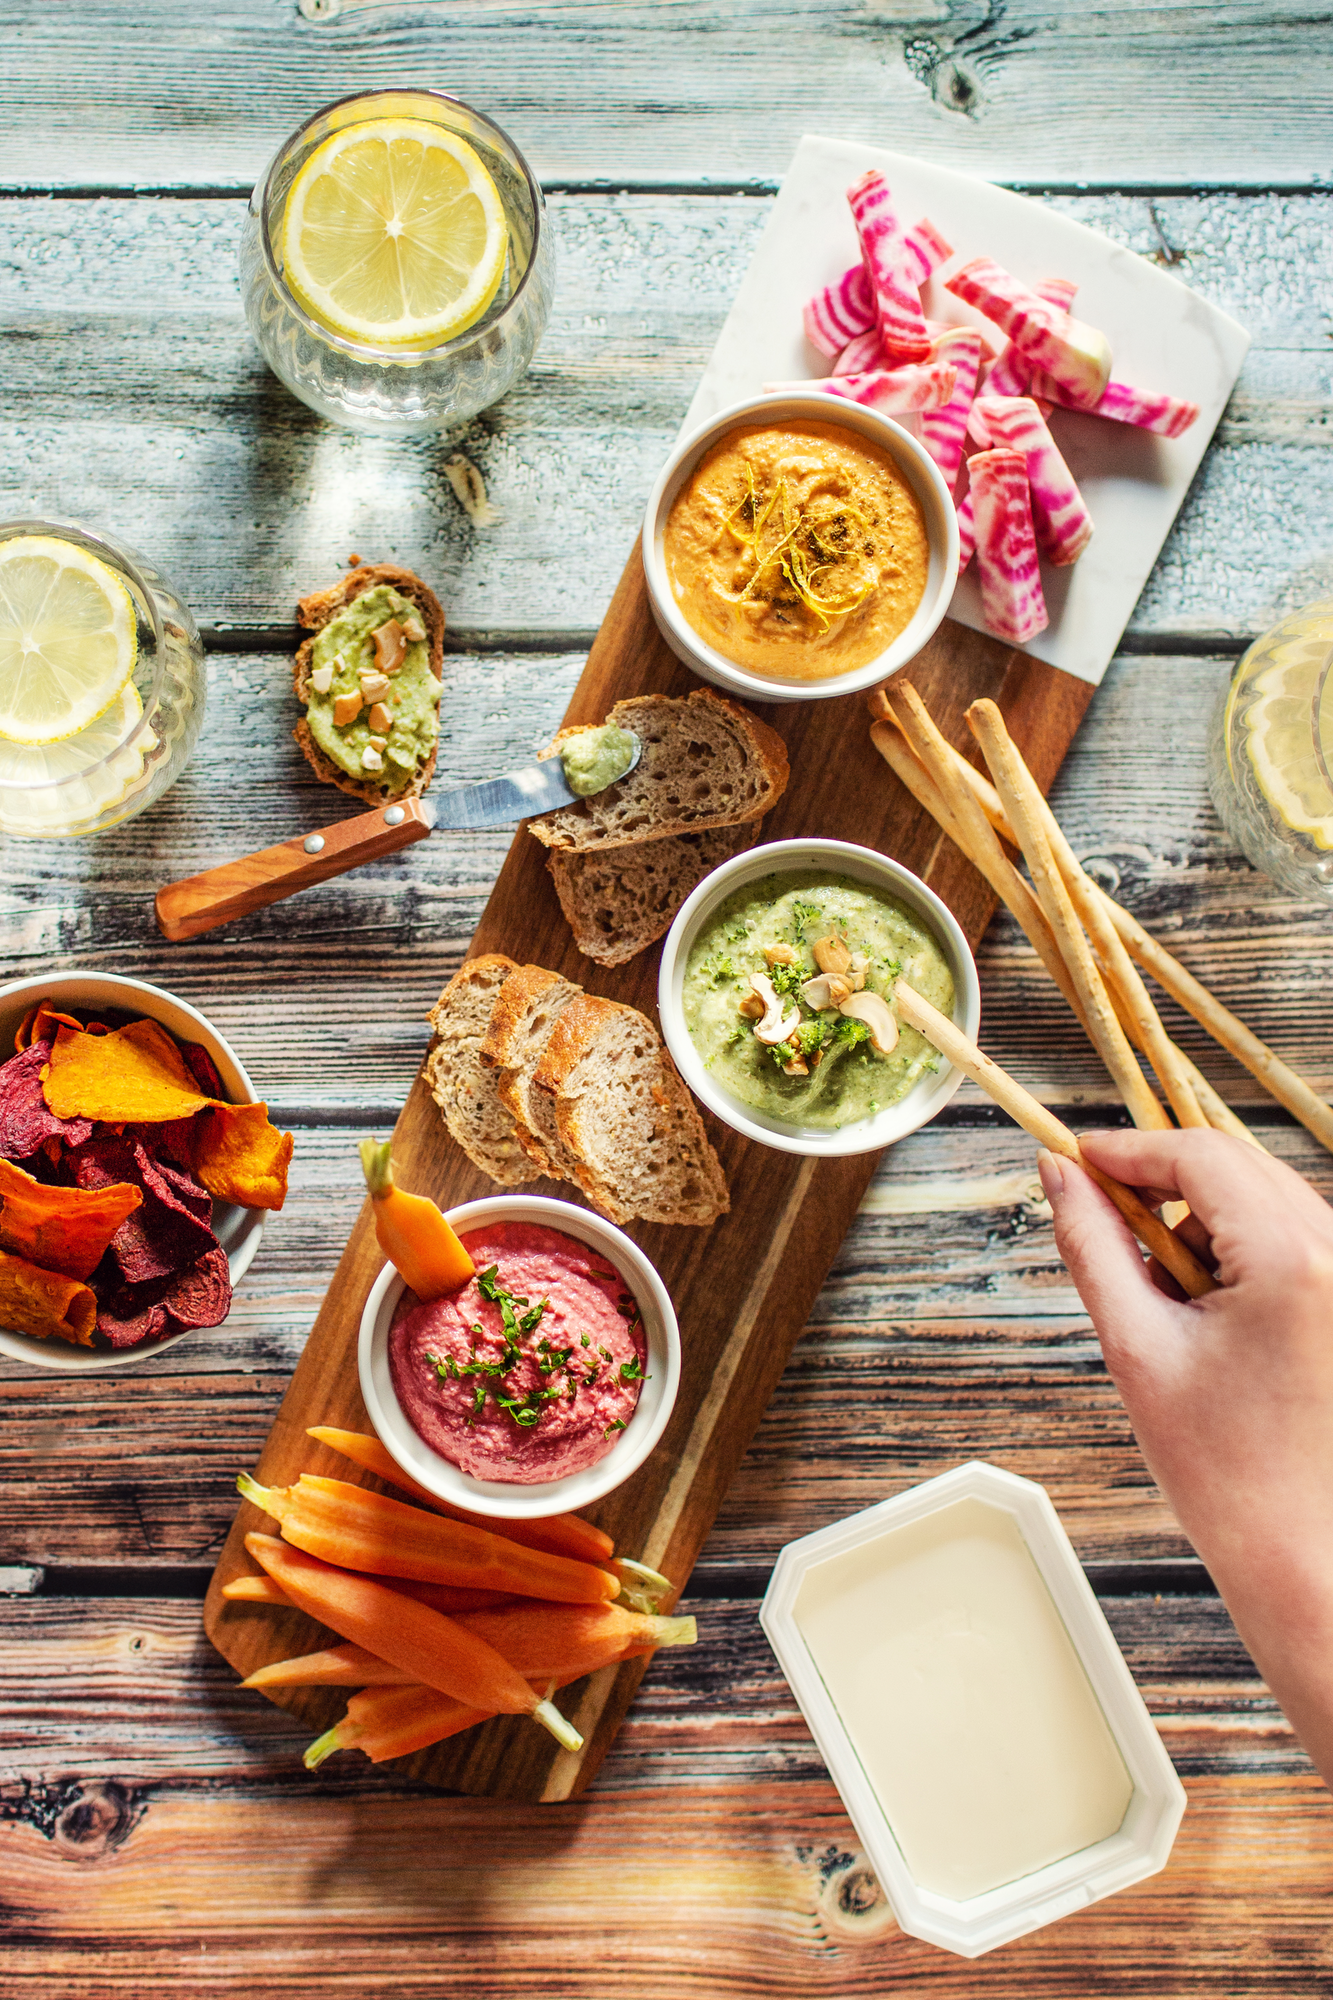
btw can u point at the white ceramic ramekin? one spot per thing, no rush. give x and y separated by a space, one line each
238 1230
922 475
500 1499
928 1095
1143 1842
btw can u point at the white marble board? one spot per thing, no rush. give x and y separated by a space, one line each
1163 337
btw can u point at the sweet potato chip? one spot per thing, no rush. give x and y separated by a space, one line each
44 1304
240 1157
135 1075
61 1228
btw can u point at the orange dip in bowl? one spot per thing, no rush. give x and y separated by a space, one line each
798 551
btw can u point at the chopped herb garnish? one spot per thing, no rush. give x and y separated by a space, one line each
617 1424
585 1340
606 1354
632 1371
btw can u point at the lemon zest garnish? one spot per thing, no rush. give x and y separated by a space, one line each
797 539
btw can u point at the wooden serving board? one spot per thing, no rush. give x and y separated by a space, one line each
742 1289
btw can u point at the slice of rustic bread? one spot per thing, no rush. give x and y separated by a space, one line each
526 1010
706 762
461 1084
638 1143
315 612
618 900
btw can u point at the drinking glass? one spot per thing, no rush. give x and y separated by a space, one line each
383 389
128 757
1270 759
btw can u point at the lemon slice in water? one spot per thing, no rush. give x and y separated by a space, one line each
68 640
393 234
51 787
1288 729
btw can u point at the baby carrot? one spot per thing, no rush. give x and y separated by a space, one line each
411 1231
437 1650
361 1530
544 1641
263 1590
412 1719
335 1666
559 1535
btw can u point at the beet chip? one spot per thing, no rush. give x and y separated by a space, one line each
168 1234
186 1188
201 1297
25 1122
145 1324
202 1069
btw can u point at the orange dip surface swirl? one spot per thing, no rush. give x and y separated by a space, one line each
797 551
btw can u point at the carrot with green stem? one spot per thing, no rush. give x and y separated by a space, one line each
559 1535
438 1651
413 1719
411 1231
557 1642
361 1530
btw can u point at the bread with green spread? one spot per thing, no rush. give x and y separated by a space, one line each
706 762
372 708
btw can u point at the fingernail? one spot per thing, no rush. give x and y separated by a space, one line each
1052 1174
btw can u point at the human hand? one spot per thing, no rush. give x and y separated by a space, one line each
1230 1396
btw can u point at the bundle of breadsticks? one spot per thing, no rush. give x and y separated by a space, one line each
1086 941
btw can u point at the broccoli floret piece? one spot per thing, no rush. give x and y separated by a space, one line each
849 1030
786 978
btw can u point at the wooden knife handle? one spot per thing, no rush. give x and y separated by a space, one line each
201 902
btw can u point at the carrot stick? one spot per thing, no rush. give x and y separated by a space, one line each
544 1641
361 1530
417 1717
437 1650
560 1535
335 1666
439 1596
411 1231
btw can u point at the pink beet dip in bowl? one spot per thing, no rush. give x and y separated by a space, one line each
529 1373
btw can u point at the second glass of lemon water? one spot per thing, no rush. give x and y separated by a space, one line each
396 264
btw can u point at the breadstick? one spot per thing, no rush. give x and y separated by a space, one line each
888 738
1047 1130
1130 991
1016 787
1227 1030
969 828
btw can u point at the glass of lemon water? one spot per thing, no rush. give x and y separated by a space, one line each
397 264
1270 766
101 681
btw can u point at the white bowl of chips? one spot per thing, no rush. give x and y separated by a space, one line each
89 996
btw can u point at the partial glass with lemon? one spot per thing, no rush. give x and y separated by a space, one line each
1270 769
397 265
101 681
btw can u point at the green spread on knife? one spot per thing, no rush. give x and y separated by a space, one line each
412 699
594 758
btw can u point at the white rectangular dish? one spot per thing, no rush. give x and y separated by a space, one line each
1163 336
939 1749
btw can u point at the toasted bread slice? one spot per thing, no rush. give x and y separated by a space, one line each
706 762
619 900
637 1140
462 1085
526 1010
315 612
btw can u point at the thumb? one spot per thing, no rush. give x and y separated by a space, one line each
1134 1321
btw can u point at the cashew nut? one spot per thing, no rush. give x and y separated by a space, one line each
856 972
776 1025
832 954
780 954
828 990
752 1007
874 1011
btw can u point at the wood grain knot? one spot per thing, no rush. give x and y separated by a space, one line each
94 1818
852 1904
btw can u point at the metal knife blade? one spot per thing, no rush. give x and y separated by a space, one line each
537 788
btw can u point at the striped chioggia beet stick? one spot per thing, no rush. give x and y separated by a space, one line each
840 312
1168 416
1062 522
944 431
1076 356
898 314
1010 374
1007 567
919 385
967 531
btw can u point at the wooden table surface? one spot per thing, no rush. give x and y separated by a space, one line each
159 1833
